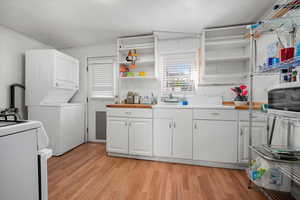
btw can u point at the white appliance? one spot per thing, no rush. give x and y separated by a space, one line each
64 122
52 79
23 158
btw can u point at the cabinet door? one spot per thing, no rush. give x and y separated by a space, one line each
215 141
183 134
140 137
66 72
163 137
259 137
117 135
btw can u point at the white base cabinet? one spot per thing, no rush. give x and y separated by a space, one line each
215 141
173 133
259 137
128 134
209 137
215 135
117 137
163 134
140 137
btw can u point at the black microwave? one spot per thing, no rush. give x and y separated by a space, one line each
284 98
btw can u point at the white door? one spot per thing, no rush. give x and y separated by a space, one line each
117 135
183 134
140 137
162 134
216 141
259 137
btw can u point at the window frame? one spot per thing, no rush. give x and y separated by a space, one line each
195 70
101 60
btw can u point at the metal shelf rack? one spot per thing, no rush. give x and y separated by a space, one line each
286 20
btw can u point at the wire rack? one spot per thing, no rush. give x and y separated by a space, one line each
295 62
284 19
289 168
292 171
275 195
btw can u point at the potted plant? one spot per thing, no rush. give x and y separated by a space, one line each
241 95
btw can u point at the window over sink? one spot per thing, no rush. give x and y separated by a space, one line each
179 73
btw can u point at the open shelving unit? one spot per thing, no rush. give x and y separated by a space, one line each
145 47
226 52
282 20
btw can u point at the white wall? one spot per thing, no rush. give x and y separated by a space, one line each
12 48
82 53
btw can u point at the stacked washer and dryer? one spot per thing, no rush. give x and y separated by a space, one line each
52 79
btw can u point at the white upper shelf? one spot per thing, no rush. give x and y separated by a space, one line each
238 43
137 47
224 59
139 50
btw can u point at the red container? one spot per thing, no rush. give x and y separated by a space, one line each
287 54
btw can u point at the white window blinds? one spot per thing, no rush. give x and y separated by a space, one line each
101 77
179 73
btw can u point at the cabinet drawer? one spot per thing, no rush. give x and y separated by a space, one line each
134 113
244 116
164 113
215 114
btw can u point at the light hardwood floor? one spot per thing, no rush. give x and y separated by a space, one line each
87 173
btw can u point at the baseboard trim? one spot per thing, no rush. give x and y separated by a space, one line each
182 161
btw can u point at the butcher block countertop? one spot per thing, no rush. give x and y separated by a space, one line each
226 104
128 106
256 105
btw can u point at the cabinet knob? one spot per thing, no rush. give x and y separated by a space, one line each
195 126
170 124
174 124
215 113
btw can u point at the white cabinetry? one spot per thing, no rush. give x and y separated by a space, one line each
117 135
173 133
259 137
226 55
129 131
215 135
163 133
140 137
145 47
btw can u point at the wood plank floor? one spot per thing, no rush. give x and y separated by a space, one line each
86 173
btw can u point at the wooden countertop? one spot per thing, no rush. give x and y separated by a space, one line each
128 106
256 105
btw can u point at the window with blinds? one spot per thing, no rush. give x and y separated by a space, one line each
101 77
179 73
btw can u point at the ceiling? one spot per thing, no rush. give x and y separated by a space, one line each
72 23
